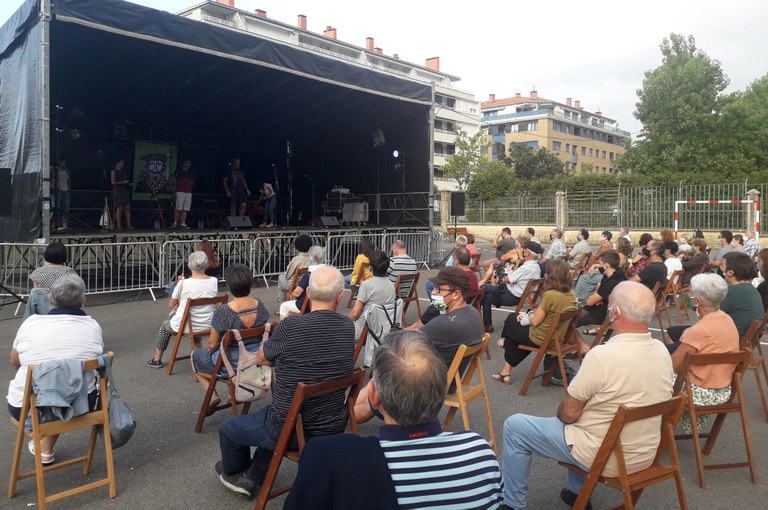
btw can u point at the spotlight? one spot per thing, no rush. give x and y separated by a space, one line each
396 154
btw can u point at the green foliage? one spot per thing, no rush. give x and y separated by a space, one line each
530 163
493 179
468 157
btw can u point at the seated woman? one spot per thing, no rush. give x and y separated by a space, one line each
624 249
198 286
364 252
55 257
299 294
596 308
531 329
375 291
77 336
240 313
693 262
714 333
760 282
587 282
641 260
213 268
471 244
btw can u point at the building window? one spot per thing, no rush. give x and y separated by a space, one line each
603 154
575 148
610 156
568 148
591 152
583 151
438 172
556 145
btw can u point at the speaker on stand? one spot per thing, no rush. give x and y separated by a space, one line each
458 205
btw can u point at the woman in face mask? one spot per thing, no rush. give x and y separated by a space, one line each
640 261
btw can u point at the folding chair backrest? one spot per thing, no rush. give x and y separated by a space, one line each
361 274
751 336
474 298
406 284
464 357
186 322
566 317
475 262
738 359
297 278
531 290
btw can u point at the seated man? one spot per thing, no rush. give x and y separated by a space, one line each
631 369
596 307
297 297
503 243
400 262
309 348
460 242
579 249
556 248
724 241
459 246
655 271
302 243
407 390
65 333
461 258
511 291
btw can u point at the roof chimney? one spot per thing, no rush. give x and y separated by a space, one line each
330 32
518 94
534 94
230 3
567 101
598 113
578 104
369 43
491 97
260 13
302 22
378 50
396 56
433 63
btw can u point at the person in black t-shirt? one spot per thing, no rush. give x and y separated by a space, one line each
656 271
596 308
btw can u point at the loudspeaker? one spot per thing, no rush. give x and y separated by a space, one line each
239 222
6 208
457 203
330 221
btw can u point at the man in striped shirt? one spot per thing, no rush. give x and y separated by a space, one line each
400 262
412 464
309 348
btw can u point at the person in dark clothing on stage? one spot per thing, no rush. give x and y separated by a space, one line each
121 195
184 180
236 188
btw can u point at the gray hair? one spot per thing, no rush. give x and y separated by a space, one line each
635 301
711 289
325 283
461 241
398 244
317 255
558 233
68 291
410 378
198 261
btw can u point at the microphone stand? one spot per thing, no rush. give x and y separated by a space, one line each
277 192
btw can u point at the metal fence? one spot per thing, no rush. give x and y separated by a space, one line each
343 249
18 260
417 243
521 209
174 255
112 267
272 253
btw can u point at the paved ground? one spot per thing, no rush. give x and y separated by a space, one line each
168 465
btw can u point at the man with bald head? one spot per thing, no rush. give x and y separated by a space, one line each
631 369
308 348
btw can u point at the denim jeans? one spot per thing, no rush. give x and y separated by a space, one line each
524 435
269 209
429 286
239 433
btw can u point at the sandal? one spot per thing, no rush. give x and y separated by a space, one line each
47 458
591 331
502 378
500 342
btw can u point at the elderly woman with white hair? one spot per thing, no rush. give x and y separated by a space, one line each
714 333
197 286
316 259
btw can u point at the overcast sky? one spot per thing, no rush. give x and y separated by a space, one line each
592 50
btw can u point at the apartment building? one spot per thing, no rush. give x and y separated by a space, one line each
454 108
584 141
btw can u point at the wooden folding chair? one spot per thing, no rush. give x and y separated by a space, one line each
306 305
533 289
559 350
757 362
186 323
633 484
661 305
474 265
466 392
355 285
474 298
735 404
603 334
95 420
677 292
296 279
293 425
406 287
214 379
580 266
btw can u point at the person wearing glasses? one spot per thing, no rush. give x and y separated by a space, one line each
724 239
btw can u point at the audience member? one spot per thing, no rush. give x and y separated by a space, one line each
471 244
461 259
460 242
198 286
300 261
762 286
240 313
672 261
299 294
531 328
364 251
374 291
510 290
65 333
624 232
666 235
556 249
624 249
724 239
590 278
212 269
714 333
693 262
297 355
55 256
631 369
596 308
738 243
407 390
400 262
655 271
639 261
532 234
580 248
503 243
751 246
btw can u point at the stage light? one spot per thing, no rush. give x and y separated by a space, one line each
396 154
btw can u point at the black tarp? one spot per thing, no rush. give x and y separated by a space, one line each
215 92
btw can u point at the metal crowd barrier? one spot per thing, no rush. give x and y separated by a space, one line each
437 247
272 253
17 261
174 255
343 249
417 244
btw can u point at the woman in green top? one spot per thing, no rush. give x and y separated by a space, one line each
531 329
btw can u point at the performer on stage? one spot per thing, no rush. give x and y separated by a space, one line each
270 204
184 180
236 188
121 195
63 183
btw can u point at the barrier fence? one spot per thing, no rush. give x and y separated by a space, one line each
114 267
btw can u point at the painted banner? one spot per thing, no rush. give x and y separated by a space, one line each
153 163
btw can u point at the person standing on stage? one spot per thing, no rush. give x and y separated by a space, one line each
121 195
184 179
62 186
270 205
236 188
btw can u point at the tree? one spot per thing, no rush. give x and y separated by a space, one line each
746 120
530 164
467 159
493 179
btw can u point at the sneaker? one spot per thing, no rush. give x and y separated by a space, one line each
184 225
569 498
47 458
174 225
155 363
238 483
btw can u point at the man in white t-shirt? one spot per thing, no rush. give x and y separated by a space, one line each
65 333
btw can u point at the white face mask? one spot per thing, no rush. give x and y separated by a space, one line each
439 302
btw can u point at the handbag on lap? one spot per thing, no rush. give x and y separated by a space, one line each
252 381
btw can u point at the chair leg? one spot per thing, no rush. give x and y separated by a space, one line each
39 470
491 437
531 372
697 449
761 391
714 432
747 439
449 418
465 416
89 454
204 407
16 459
175 351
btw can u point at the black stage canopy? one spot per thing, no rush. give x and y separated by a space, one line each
117 73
